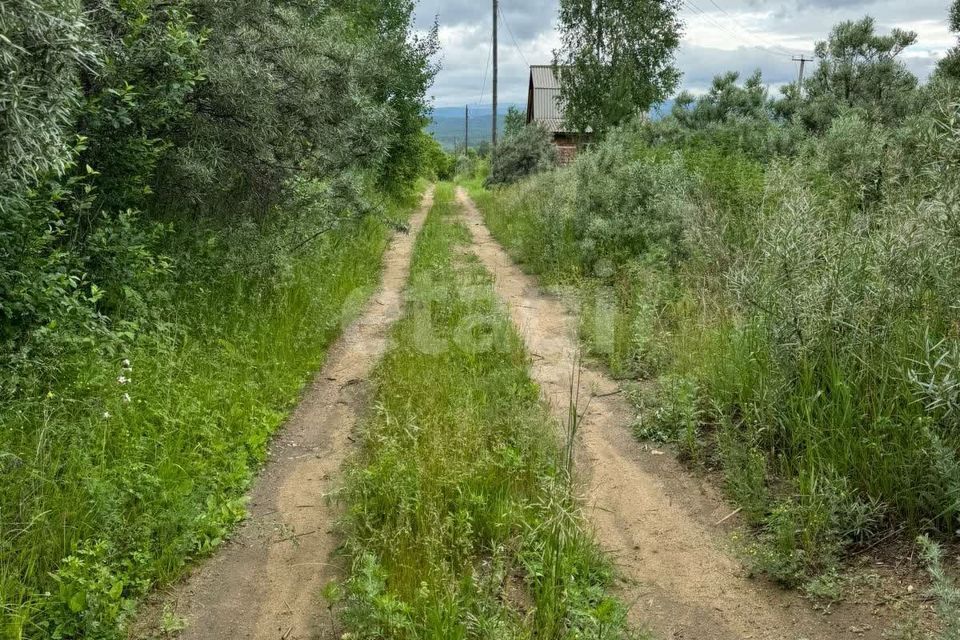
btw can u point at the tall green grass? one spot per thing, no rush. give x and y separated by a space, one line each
802 326
137 461
461 523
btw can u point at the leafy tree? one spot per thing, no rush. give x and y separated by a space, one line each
616 59
118 115
521 154
294 88
731 118
950 64
44 44
406 71
438 164
725 100
133 103
514 121
857 69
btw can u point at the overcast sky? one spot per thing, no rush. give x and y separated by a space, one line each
719 35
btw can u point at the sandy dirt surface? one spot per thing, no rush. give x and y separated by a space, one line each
657 521
266 583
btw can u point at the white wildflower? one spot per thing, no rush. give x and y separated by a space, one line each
126 398
125 363
122 379
106 415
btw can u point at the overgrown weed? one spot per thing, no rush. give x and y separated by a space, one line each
461 521
797 312
945 589
137 461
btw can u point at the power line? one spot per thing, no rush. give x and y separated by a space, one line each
512 37
722 10
758 42
694 7
766 49
483 87
773 46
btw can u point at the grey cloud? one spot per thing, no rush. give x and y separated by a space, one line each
527 19
460 84
921 67
701 64
813 19
834 4
530 21
465 58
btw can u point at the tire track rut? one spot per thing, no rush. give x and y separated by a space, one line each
656 520
265 584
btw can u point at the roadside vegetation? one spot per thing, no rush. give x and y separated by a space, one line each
190 191
461 522
786 269
524 152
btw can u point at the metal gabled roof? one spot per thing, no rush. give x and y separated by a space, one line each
543 77
544 108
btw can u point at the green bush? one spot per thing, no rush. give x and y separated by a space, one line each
110 484
729 119
472 165
182 184
128 116
524 153
797 309
438 164
611 205
45 44
626 202
945 589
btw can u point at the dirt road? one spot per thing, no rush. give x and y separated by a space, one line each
266 582
653 517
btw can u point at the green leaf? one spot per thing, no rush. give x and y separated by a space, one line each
78 602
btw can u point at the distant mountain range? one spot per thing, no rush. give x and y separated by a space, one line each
446 125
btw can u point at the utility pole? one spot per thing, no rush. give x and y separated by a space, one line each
496 9
803 60
466 129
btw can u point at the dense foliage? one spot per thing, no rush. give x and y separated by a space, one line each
950 64
523 152
151 106
514 121
787 269
616 59
857 69
182 184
